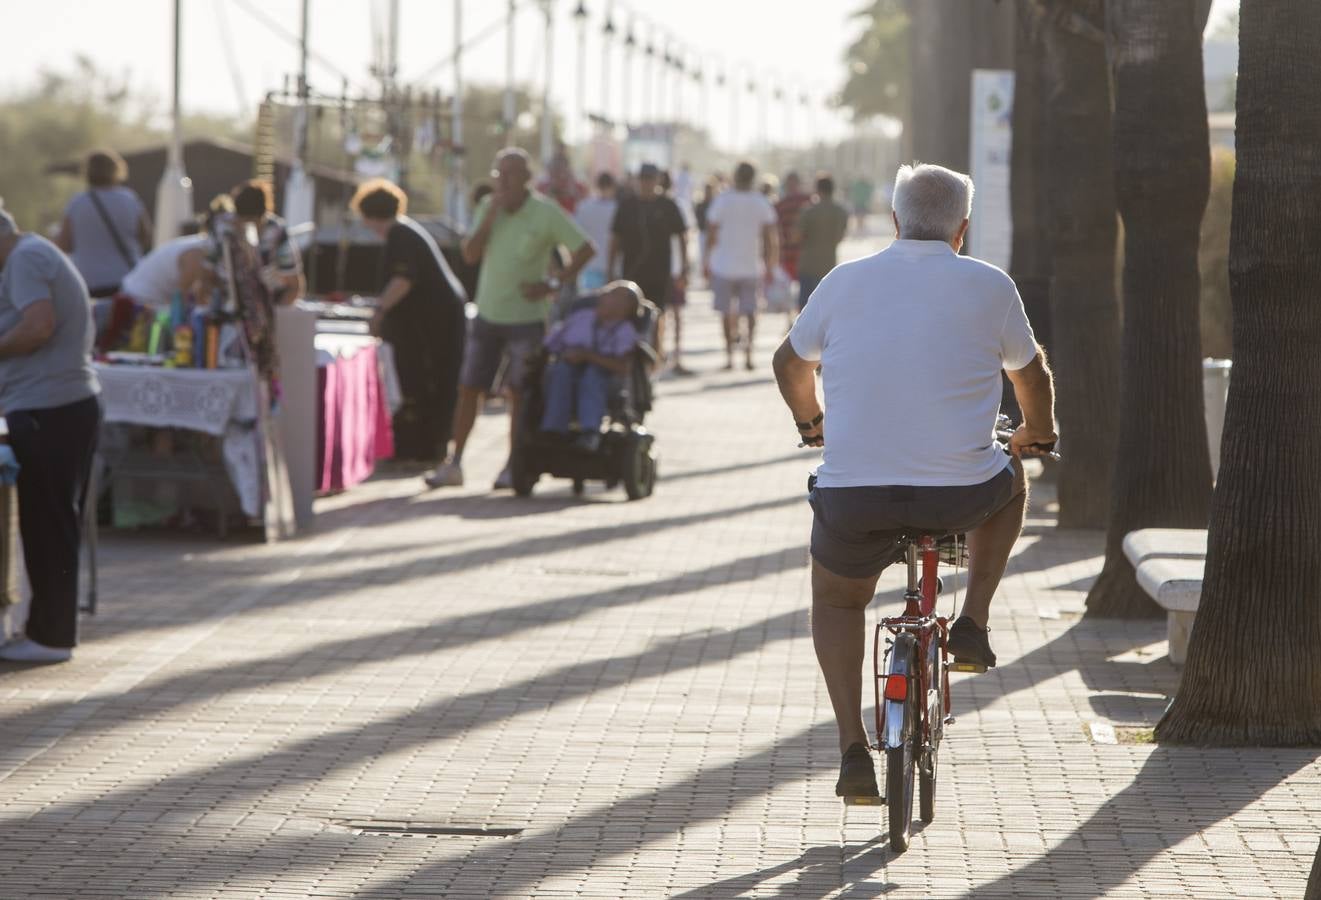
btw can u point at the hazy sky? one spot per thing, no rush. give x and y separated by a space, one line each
801 43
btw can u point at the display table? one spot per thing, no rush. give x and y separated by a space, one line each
229 404
356 378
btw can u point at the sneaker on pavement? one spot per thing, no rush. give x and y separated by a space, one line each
447 474
857 773
504 481
969 644
27 650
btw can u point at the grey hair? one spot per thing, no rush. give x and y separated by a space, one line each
517 152
7 223
931 202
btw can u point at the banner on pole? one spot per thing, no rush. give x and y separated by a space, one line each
992 230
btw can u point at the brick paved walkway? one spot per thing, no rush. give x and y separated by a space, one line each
630 687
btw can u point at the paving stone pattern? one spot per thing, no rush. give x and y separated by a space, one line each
629 686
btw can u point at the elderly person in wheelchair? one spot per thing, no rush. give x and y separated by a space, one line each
594 348
595 374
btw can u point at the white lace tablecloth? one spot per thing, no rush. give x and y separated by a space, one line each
220 402
196 399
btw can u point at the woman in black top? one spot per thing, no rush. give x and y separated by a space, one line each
422 317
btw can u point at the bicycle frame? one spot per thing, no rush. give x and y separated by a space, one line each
921 620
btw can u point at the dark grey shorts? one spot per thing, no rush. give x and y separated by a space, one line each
488 343
855 530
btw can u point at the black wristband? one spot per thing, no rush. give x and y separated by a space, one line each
808 426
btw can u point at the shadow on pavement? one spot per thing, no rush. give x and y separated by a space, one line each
203 609
1179 792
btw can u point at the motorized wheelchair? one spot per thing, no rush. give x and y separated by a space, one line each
624 455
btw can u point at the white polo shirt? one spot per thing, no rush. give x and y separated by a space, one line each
911 342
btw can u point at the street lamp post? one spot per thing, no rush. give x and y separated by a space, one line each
579 129
509 111
458 199
547 124
299 189
607 39
174 195
626 82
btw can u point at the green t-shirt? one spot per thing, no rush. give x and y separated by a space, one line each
822 225
518 251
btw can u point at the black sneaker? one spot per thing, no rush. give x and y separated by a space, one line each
857 775
969 644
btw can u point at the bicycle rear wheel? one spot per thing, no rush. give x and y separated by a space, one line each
900 761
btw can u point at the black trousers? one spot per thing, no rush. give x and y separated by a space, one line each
54 449
428 354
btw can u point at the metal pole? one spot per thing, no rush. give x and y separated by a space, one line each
580 130
458 205
547 123
649 55
299 190
174 194
509 110
607 35
626 82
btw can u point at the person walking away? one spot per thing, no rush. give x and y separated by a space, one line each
742 251
559 183
594 347
641 240
515 232
595 216
911 342
821 228
683 191
709 190
860 194
106 227
421 316
48 392
792 202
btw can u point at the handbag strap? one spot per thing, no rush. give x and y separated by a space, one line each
110 227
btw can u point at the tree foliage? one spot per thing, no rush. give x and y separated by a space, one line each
878 70
62 115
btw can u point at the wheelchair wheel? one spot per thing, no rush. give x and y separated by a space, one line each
639 469
524 478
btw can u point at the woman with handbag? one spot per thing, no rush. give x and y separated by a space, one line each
106 227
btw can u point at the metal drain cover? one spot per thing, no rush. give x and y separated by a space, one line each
427 829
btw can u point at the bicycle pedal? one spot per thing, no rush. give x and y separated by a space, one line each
859 800
963 665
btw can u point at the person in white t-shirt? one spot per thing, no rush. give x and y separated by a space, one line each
594 216
911 342
742 251
173 267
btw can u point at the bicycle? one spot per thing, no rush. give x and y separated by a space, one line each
912 693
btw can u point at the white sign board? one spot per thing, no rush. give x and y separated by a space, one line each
992 230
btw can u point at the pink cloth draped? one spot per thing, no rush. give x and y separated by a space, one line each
353 424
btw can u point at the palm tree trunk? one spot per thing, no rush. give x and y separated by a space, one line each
1081 224
950 38
1030 263
1162 179
1253 674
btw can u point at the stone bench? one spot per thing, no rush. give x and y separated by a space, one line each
1169 564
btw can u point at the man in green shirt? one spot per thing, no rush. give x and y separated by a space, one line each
517 228
820 229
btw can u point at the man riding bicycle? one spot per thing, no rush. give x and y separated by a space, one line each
911 342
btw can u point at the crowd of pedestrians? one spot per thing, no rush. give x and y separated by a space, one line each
540 244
